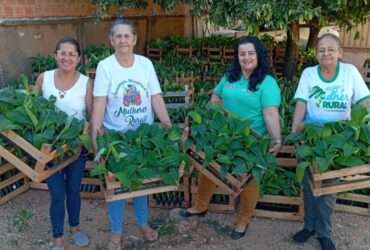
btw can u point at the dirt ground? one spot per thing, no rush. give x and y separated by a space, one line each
24 224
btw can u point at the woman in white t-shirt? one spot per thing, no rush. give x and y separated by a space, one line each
325 93
73 92
126 91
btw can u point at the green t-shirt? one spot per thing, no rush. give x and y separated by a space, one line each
238 99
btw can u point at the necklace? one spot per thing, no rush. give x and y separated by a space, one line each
62 93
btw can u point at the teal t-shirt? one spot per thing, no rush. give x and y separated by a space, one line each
238 99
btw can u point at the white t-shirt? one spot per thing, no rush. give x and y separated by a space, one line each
128 92
73 101
329 101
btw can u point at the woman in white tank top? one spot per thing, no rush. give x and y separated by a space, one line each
73 92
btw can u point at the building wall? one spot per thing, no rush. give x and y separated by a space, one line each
31 27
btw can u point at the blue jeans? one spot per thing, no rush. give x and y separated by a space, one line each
317 210
64 188
116 213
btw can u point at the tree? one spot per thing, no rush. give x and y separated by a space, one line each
275 14
283 14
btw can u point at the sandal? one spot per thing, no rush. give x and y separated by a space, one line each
113 244
149 233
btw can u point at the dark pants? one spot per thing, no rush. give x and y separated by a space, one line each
317 210
64 189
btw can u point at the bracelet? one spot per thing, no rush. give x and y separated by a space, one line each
278 141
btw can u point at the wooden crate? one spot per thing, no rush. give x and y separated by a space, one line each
280 207
279 61
12 186
228 183
91 73
214 54
113 189
221 201
40 171
342 180
353 204
154 53
177 99
286 157
91 188
173 199
186 51
228 54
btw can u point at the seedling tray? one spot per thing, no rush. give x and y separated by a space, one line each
12 183
342 180
46 158
228 183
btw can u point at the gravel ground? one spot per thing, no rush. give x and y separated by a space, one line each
24 224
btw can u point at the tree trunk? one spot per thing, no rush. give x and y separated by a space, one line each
292 50
314 27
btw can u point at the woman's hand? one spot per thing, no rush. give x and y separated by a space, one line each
275 147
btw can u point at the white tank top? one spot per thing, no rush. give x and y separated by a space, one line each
71 101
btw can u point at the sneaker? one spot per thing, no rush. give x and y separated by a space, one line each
303 235
326 243
80 239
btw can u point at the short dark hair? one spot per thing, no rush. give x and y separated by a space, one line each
122 21
69 40
234 71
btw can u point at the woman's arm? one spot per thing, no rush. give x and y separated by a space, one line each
365 103
299 112
89 99
99 106
160 110
39 81
215 98
272 120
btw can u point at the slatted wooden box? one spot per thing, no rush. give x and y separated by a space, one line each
353 204
228 183
12 183
43 158
342 180
173 199
221 201
280 207
91 188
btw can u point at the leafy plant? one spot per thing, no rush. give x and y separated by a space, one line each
281 182
229 141
134 156
37 120
287 104
94 54
335 145
41 63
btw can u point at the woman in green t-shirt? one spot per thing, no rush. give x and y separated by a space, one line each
248 90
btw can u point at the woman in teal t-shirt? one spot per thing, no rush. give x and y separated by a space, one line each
249 91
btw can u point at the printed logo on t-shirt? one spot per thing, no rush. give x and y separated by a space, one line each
131 96
133 109
331 99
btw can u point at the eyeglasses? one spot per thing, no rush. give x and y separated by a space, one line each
323 51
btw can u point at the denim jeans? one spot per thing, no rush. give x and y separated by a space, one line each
116 213
317 210
64 189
